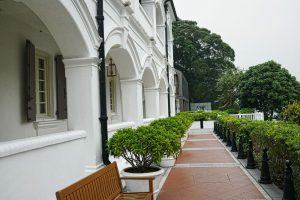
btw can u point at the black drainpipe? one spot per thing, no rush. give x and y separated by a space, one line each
167 49
102 85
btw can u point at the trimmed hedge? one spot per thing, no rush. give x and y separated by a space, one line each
282 139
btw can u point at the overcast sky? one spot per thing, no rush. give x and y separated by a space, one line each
258 30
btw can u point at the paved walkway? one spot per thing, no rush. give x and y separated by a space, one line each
206 170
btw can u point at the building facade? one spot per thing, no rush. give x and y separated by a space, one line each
181 92
50 134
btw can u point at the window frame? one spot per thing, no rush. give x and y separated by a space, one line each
39 54
112 95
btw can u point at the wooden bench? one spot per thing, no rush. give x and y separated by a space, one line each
104 184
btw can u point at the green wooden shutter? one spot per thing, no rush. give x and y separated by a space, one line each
30 81
61 93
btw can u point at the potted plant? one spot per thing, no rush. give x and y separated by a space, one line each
171 149
175 132
141 148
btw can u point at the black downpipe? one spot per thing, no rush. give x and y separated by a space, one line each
102 85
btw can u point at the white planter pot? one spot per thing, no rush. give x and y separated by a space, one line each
167 162
143 185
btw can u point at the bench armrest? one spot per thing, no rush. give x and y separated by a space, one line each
149 178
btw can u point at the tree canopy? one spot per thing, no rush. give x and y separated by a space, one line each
268 87
202 56
227 86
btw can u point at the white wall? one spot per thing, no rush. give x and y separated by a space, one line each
13 124
35 168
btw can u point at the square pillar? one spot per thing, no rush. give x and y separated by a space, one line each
131 92
163 104
82 76
172 102
152 102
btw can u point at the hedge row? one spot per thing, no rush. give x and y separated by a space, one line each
282 140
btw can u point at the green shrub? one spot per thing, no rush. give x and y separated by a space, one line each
246 110
282 139
292 113
140 147
171 124
232 111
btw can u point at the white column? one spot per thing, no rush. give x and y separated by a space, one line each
131 92
84 105
163 104
172 104
152 102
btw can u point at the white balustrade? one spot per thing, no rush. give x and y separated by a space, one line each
251 116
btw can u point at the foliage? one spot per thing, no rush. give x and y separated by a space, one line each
176 125
268 88
202 115
246 110
227 87
146 145
232 111
292 113
202 56
281 139
140 147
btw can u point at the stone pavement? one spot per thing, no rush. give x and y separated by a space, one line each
206 170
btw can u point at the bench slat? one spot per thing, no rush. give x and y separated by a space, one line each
104 184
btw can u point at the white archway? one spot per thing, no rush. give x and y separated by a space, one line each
70 24
150 94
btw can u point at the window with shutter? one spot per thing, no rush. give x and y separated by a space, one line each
39 94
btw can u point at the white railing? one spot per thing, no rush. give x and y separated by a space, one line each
251 116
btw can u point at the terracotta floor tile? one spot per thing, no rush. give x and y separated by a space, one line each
207 183
202 144
204 136
204 156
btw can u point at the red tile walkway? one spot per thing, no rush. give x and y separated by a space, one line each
205 170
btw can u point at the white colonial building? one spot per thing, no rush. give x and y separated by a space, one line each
50 133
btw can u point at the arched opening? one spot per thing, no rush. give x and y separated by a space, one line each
49 34
122 89
113 91
150 95
36 38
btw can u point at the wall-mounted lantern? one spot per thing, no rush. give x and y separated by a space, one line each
111 69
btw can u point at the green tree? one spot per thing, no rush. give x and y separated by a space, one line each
202 56
292 113
268 87
227 86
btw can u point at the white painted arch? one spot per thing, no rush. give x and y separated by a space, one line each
121 48
71 25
